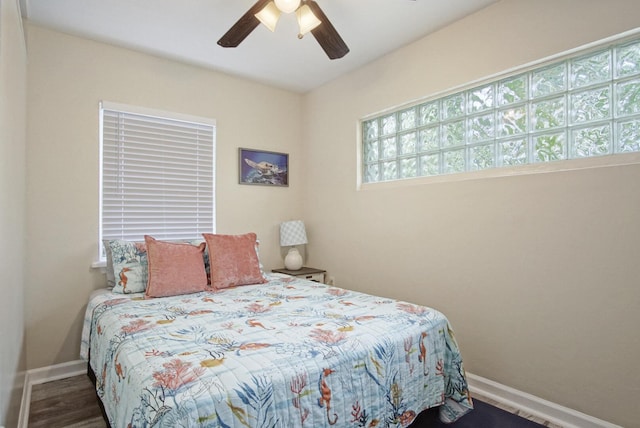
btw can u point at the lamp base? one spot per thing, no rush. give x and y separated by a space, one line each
293 260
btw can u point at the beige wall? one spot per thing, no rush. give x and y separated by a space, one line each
537 273
13 67
68 76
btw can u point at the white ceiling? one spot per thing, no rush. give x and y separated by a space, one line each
187 30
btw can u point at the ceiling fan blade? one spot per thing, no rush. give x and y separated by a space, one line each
326 35
245 25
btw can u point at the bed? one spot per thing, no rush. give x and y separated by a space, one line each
285 353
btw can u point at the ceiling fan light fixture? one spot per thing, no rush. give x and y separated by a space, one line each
269 16
287 6
310 17
307 21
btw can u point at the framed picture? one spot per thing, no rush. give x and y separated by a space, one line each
263 168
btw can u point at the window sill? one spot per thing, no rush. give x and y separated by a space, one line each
539 168
100 264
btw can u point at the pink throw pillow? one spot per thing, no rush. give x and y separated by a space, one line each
174 268
233 260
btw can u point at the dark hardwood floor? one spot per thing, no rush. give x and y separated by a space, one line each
69 403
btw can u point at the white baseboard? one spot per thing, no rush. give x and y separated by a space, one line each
25 404
535 406
56 372
43 375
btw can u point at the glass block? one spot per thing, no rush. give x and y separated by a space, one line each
481 128
592 141
371 151
591 105
513 90
370 129
628 94
408 168
628 59
453 106
453 134
566 110
389 148
389 171
588 70
430 164
429 138
388 124
453 161
371 172
481 157
513 152
408 143
548 81
481 99
407 119
628 136
512 121
549 114
428 113
549 147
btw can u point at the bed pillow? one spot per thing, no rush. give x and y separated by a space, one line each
207 268
129 261
174 268
111 278
234 260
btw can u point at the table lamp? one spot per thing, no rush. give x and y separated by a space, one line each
292 233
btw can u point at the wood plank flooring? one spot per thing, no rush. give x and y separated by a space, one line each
72 403
69 402
518 412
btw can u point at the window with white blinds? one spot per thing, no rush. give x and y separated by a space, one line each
157 174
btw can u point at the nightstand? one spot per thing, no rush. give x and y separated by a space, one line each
312 274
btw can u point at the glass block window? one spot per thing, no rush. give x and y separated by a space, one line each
584 106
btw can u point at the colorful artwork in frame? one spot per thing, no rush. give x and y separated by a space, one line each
263 168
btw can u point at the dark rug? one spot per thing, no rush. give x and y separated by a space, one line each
482 416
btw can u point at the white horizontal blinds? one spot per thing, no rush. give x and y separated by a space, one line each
158 177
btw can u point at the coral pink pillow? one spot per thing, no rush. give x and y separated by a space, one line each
233 260
174 268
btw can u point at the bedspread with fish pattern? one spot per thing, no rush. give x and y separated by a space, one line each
288 353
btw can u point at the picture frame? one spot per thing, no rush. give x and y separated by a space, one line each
263 168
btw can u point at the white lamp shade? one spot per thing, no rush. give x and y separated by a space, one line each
307 21
292 233
269 16
287 6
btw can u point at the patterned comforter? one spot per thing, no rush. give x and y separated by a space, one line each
288 353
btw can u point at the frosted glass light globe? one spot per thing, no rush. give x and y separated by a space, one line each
287 6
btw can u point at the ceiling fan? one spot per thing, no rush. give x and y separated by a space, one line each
310 19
